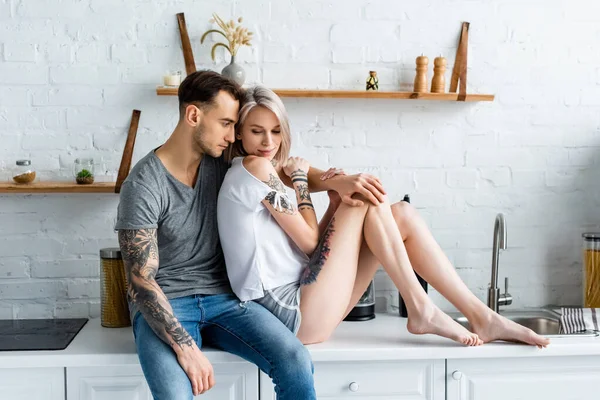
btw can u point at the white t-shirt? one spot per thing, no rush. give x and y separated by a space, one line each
259 255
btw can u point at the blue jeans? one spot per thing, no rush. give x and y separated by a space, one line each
221 321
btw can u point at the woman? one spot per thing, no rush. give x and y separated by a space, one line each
310 274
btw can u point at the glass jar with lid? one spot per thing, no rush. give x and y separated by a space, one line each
591 270
23 172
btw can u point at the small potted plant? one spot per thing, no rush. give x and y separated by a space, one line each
84 177
83 169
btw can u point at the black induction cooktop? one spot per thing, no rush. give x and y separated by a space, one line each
38 334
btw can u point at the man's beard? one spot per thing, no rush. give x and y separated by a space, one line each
201 145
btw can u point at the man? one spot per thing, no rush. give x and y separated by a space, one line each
178 291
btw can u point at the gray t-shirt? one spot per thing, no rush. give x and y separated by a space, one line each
190 257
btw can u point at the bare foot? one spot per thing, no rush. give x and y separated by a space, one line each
493 326
432 320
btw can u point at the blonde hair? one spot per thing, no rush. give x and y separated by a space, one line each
260 96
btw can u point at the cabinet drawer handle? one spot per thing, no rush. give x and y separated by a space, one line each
353 387
456 375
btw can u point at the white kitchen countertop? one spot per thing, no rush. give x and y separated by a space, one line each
384 338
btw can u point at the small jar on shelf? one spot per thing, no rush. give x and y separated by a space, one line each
83 170
23 172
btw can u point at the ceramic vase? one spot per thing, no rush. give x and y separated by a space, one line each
235 72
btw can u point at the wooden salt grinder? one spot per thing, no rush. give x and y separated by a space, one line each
421 77
438 83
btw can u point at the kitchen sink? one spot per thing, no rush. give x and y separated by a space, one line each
542 321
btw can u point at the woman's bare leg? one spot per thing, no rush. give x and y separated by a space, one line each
334 265
431 263
327 281
385 241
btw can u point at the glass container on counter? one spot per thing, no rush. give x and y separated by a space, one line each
591 270
23 172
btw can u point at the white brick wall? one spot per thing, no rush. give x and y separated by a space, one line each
72 71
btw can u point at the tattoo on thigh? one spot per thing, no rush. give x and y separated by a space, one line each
319 257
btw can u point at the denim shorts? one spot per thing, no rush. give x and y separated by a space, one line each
284 303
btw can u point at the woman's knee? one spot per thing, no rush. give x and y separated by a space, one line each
314 337
403 212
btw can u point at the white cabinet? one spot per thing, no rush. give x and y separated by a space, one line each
548 378
124 382
234 381
384 380
32 384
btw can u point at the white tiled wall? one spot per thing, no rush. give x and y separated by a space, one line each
72 71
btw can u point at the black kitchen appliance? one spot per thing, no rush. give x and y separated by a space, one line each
38 334
364 310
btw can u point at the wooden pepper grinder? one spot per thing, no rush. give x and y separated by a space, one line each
438 83
421 77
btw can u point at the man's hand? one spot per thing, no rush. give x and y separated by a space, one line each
198 369
365 184
331 172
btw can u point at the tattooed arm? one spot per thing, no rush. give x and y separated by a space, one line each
300 224
297 169
346 185
140 256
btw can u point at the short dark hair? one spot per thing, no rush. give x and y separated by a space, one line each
202 87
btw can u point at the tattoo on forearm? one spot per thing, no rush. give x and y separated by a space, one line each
319 257
275 183
294 180
305 206
299 173
284 204
303 193
140 255
274 163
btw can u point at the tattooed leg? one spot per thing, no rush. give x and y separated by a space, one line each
319 257
327 281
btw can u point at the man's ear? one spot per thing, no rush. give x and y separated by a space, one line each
193 115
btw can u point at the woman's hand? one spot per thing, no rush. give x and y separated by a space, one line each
365 184
331 172
295 164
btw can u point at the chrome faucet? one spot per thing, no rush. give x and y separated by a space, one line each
495 299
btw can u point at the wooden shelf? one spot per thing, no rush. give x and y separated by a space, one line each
57 187
356 94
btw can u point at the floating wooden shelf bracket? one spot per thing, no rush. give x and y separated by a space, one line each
128 150
186 45
459 72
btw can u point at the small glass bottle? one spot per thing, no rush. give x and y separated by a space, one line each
591 270
372 81
23 172
83 170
